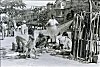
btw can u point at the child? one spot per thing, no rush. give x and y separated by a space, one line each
29 46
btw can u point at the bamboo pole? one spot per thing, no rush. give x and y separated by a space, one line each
97 25
78 35
74 52
91 36
97 31
80 31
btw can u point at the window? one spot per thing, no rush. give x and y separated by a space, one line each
58 5
62 5
62 12
99 4
58 13
95 3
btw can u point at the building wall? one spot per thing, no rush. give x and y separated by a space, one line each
50 10
62 8
97 3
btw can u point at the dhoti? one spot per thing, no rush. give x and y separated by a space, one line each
52 31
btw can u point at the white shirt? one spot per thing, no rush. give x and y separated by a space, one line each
52 22
23 26
66 42
52 27
57 38
4 26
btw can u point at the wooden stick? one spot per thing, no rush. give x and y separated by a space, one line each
80 31
74 53
91 37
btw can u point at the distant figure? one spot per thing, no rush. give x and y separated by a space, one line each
23 28
52 27
12 31
4 26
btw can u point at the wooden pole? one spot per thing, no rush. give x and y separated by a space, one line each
74 50
91 36
78 35
97 31
98 25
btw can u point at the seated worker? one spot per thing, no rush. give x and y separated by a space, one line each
65 43
20 44
40 41
25 48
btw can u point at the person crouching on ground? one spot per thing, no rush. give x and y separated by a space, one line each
40 42
65 43
20 43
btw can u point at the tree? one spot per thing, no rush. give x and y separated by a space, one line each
12 5
11 8
43 17
82 5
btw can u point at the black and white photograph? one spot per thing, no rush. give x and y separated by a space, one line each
49 33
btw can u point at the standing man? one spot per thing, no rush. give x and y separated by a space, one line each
3 29
52 28
23 27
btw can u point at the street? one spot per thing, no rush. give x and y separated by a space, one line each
43 60
47 33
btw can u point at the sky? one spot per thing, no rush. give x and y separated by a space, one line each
30 3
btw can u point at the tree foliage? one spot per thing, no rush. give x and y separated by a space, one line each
43 17
84 6
12 7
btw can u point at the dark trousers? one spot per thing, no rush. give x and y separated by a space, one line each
61 45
